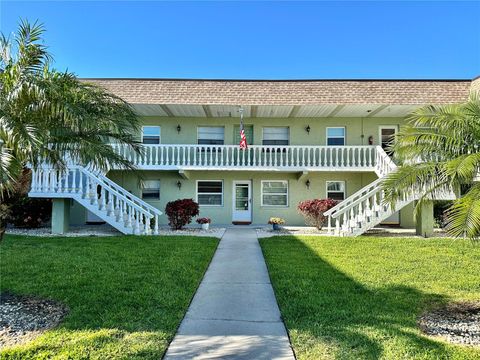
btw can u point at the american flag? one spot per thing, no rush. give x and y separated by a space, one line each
243 138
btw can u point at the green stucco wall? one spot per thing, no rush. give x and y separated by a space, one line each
355 127
358 130
223 214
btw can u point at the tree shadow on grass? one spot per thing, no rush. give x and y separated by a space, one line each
126 295
329 314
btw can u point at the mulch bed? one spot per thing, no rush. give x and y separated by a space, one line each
458 323
22 318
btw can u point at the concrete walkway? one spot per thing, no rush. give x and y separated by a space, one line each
234 314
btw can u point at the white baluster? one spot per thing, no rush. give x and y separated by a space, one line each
155 225
103 203
73 187
137 222
86 194
95 193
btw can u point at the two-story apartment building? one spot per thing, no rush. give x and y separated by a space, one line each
306 139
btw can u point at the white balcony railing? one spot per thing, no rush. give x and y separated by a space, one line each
256 157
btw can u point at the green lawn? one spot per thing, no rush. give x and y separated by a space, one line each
127 295
359 298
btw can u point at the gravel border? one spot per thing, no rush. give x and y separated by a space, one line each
107 230
458 323
23 318
267 231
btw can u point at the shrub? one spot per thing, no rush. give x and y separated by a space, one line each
312 211
440 209
180 212
30 213
276 221
204 220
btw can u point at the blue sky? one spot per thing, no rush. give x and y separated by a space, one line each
258 40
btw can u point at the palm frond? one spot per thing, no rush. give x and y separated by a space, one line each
464 215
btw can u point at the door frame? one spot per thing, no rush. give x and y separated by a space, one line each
242 221
381 127
395 218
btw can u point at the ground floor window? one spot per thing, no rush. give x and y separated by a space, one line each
336 190
210 192
151 190
274 193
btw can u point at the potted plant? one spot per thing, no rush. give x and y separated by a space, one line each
205 222
276 222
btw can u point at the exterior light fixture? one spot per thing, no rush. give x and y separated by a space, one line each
307 129
179 128
307 184
179 184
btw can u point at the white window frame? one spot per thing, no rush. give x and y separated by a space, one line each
159 187
210 126
344 137
336 181
287 194
196 192
159 133
284 127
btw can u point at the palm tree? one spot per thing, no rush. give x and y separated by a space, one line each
440 147
46 115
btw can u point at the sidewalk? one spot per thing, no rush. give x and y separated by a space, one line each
234 314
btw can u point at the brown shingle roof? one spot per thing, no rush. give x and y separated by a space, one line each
295 92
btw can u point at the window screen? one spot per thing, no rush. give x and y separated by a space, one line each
276 136
209 135
274 193
210 192
336 136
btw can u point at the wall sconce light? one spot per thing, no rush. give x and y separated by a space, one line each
370 140
179 128
179 184
307 129
307 184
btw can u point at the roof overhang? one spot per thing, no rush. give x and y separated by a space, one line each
274 111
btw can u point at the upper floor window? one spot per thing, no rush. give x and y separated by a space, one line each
335 136
276 136
151 134
210 135
336 190
151 190
210 192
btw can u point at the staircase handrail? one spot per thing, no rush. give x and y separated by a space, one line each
359 194
115 192
127 194
352 198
